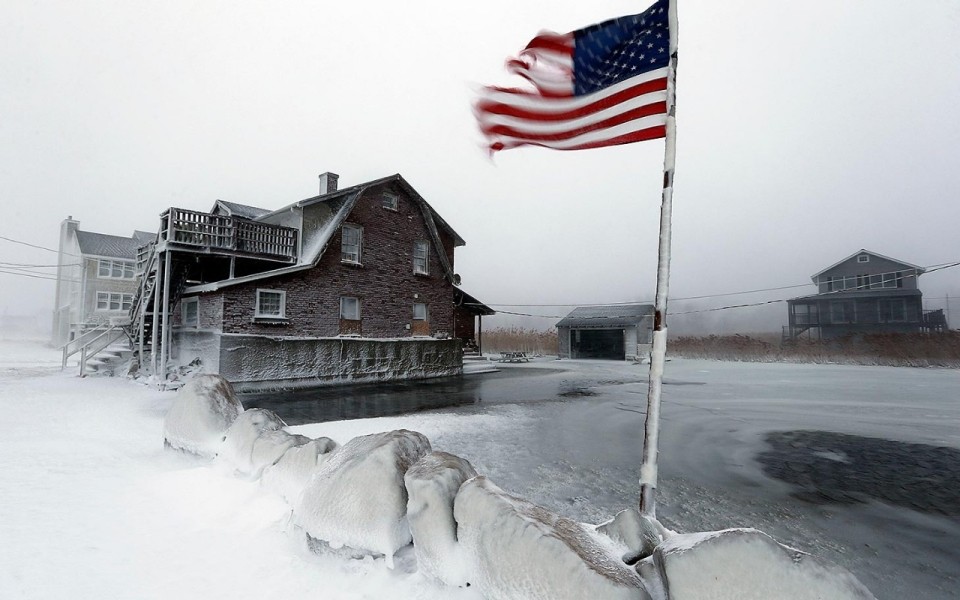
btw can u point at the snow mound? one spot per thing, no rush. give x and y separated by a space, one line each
517 550
202 411
432 485
357 497
240 451
290 475
637 534
747 564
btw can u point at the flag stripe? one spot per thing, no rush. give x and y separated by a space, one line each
615 115
631 118
519 104
649 133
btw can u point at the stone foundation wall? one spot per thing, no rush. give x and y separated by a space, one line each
252 362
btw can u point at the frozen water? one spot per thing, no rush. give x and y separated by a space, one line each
290 475
636 533
432 485
202 412
517 550
240 452
357 498
746 564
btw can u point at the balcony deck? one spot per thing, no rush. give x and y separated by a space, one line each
192 231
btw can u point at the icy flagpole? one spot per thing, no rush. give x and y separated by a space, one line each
648 468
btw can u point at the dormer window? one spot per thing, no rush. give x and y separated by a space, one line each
863 258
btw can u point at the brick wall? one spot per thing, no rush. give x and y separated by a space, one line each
384 283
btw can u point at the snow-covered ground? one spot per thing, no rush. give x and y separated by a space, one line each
91 506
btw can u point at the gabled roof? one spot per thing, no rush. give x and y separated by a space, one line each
144 237
348 198
871 253
101 244
238 210
616 315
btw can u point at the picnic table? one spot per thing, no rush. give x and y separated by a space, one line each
513 357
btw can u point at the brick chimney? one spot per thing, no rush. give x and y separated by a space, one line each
328 183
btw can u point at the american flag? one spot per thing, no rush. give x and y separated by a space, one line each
599 86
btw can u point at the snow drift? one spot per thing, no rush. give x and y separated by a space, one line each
432 485
517 550
289 476
357 498
746 564
200 414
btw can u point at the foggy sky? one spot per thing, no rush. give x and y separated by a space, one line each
806 131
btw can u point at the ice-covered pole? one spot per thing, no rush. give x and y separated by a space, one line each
648 468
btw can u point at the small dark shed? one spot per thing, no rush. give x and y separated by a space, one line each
613 332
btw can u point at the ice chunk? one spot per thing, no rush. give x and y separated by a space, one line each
237 451
289 476
517 550
357 497
202 411
432 484
637 534
746 564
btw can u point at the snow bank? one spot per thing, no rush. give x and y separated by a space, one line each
432 485
200 414
637 535
241 452
290 475
517 550
357 498
747 564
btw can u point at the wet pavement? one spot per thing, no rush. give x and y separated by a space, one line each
857 465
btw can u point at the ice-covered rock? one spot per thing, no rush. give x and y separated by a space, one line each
357 497
517 550
636 533
240 451
746 564
290 475
432 485
202 411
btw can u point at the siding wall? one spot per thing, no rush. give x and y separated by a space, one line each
877 265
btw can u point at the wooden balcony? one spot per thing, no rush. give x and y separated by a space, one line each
193 231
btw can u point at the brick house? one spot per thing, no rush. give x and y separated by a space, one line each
352 284
864 293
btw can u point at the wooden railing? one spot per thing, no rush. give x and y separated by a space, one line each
234 234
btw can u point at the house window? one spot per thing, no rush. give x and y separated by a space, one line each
390 201
350 245
114 269
863 282
863 258
271 304
114 301
349 308
805 314
890 280
421 253
842 312
190 312
893 310
419 311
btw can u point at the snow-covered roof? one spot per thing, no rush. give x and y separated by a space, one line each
239 210
871 253
609 315
101 244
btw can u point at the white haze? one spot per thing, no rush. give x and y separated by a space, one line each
806 132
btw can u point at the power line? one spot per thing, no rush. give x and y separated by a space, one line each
38 276
33 245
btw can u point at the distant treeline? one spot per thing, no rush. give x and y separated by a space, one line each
891 349
520 339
